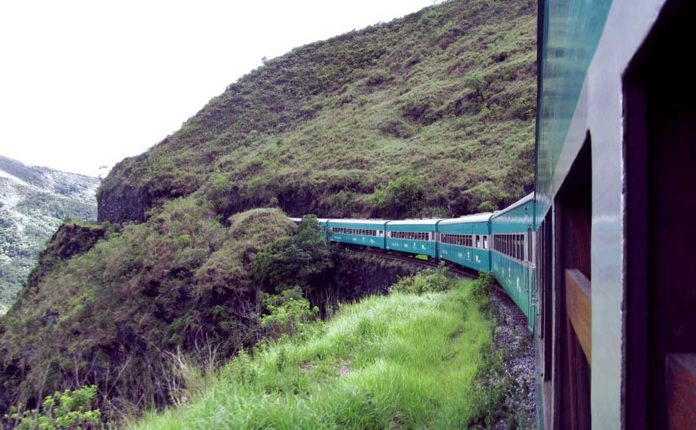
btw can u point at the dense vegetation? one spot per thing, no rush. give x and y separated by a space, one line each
110 305
430 114
437 107
400 361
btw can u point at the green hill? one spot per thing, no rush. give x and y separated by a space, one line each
445 96
429 114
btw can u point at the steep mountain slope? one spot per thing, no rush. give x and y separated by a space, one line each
33 203
445 96
429 114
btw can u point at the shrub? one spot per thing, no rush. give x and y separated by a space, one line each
482 285
289 313
301 259
62 410
476 82
427 281
218 192
402 197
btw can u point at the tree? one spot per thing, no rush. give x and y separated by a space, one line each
477 83
301 259
403 197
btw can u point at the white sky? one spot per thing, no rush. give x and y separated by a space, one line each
88 83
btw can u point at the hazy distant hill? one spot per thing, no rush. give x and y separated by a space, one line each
33 203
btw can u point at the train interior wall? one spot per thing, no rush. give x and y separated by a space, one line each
661 266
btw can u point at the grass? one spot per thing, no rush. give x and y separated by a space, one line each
397 361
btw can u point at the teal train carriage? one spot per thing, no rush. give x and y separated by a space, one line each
614 214
364 232
415 236
466 241
512 256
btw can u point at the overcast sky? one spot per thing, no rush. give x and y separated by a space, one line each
87 83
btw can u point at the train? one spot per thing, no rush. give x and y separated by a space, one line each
499 243
600 256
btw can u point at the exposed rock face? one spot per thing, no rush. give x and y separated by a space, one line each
34 201
126 203
69 241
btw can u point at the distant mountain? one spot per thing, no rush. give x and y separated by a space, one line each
33 203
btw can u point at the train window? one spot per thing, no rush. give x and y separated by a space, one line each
485 242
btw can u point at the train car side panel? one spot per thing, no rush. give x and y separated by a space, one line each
412 236
466 241
357 232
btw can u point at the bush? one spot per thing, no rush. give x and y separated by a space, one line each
427 281
482 285
289 314
301 259
403 197
476 82
62 410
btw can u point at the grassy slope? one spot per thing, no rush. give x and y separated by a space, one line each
400 361
323 127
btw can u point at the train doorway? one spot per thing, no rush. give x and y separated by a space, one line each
660 148
573 309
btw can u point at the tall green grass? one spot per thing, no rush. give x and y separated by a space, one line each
399 361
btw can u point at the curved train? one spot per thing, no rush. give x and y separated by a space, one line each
600 257
500 242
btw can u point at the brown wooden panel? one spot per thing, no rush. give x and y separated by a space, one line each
681 391
579 308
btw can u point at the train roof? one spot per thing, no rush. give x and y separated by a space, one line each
359 221
414 222
526 199
297 219
482 217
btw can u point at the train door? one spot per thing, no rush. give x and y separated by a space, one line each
572 325
531 281
660 147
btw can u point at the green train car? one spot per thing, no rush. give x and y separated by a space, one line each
413 236
512 255
615 262
361 232
466 241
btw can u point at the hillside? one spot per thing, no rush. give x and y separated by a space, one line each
441 102
34 201
429 114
